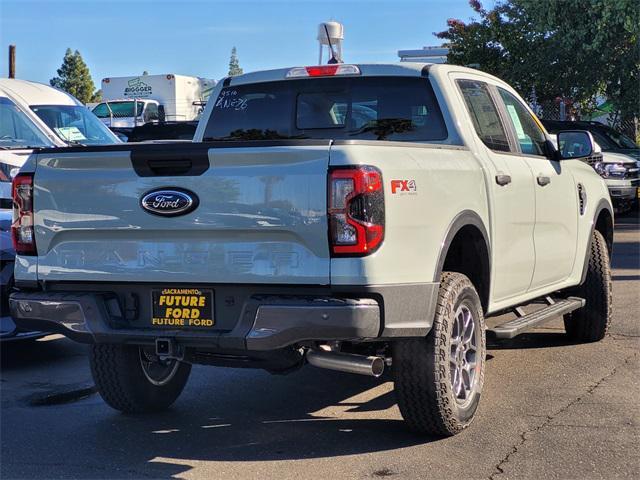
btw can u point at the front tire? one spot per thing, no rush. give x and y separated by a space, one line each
591 322
132 379
438 379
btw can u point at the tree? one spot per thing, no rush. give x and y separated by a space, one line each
602 36
234 65
74 77
560 48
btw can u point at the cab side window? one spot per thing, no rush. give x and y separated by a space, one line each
529 135
151 113
484 114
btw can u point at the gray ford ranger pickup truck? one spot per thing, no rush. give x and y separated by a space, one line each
353 217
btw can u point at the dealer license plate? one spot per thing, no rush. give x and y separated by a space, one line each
182 308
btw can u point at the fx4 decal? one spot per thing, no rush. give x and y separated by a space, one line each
403 186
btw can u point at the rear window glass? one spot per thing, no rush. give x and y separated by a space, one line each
484 115
364 108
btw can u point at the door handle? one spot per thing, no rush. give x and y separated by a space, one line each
543 180
502 179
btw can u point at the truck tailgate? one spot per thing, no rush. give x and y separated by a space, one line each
261 216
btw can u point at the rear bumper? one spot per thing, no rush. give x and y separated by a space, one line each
262 323
8 329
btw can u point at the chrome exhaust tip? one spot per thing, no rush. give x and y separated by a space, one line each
347 362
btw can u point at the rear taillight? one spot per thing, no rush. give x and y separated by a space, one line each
356 211
22 231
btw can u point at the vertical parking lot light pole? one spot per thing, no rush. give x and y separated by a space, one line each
12 61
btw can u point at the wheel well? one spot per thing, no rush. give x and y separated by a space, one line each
604 225
468 254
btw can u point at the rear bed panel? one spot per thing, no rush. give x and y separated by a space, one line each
261 219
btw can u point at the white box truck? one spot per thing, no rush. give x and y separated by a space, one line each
133 101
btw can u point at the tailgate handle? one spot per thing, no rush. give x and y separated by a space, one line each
178 159
170 167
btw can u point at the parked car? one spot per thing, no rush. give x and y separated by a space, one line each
620 163
294 230
60 113
33 115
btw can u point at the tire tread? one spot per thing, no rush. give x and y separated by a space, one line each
420 369
121 383
107 367
591 323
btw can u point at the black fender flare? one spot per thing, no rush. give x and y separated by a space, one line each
602 205
462 219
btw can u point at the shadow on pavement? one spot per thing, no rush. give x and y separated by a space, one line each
251 416
626 225
625 278
231 415
532 340
25 354
626 255
223 415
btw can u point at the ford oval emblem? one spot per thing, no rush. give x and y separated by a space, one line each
169 202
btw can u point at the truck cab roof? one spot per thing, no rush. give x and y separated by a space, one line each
408 69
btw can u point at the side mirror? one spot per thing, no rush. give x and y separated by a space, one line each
574 144
161 114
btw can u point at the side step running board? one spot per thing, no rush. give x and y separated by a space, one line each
518 325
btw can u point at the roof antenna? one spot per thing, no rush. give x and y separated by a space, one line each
331 34
333 59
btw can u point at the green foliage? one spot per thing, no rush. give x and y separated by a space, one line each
234 65
74 78
578 49
602 34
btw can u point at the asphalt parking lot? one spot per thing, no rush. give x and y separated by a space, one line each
550 409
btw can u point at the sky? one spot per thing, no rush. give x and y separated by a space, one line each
127 37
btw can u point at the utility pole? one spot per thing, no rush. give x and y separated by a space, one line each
12 61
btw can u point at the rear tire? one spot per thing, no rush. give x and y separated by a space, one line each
431 374
591 322
129 380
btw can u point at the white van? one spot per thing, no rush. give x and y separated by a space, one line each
58 113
